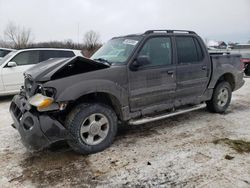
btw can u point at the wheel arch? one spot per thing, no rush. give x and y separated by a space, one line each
228 77
99 97
97 90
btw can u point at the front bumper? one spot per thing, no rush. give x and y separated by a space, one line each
37 130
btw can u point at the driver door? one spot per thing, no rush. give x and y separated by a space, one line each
153 84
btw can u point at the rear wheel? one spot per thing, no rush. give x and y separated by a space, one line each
93 127
247 70
221 98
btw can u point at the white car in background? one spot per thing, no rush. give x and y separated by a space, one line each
15 63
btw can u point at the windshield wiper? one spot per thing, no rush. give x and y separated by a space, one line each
105 61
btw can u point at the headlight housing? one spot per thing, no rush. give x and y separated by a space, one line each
48 91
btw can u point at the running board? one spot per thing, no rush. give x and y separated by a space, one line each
167 115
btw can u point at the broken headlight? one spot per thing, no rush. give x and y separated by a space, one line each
44 99
41 101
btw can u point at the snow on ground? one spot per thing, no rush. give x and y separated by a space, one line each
174 152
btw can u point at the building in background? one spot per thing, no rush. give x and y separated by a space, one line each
217 44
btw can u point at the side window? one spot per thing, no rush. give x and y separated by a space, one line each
26 58
158 50
65 54
47 54
188 50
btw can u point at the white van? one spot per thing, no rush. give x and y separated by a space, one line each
15 63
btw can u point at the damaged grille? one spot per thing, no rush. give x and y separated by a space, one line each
16 111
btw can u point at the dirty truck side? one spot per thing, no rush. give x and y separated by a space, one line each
134 79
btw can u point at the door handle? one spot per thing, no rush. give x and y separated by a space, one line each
204 68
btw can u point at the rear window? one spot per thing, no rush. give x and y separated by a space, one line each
199 50
47 54
188 50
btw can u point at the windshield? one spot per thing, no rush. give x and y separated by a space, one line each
116 50
3 53
6 57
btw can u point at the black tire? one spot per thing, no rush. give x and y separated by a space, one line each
215 105
76 118
247 70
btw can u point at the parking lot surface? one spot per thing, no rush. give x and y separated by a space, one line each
180 151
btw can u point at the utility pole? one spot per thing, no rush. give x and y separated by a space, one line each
78 26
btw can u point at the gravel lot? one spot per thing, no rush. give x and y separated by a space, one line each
175 152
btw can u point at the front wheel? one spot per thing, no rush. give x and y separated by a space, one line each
221 98
93 127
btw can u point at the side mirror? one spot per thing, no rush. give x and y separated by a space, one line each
140 61
12 64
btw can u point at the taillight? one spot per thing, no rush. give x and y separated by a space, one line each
244 62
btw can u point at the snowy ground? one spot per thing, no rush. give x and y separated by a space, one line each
174 152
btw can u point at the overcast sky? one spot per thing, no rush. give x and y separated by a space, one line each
59 19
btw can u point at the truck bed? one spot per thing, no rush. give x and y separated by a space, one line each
226 63
226 59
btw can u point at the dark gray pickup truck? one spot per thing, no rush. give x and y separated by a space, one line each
131 79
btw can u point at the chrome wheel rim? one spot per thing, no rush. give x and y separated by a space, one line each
94 129
223 97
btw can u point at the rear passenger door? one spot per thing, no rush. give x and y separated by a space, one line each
192 70
47 54
153 84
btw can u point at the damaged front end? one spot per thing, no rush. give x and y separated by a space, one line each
33 114
35 111
37 130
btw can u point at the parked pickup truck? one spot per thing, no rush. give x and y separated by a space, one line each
131 79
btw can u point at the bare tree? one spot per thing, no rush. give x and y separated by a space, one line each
3 43
18 36
91 40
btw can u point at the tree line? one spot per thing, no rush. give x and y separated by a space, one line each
18 37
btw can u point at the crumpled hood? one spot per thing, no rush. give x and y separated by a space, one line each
45 71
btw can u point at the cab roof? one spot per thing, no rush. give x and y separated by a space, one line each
148 32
